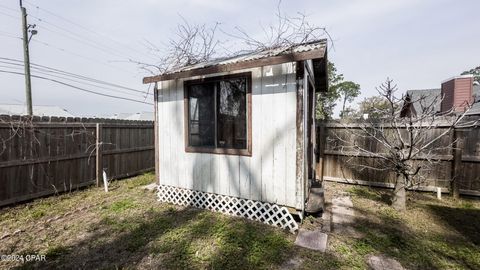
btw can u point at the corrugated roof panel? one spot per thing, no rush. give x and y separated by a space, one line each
255 55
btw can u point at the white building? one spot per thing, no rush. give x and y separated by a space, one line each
38 110
139 116
234 134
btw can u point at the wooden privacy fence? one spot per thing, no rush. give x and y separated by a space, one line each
40 156
460 163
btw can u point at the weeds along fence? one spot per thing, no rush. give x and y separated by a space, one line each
41 156
456 159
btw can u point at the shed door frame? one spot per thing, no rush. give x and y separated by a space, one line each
306 144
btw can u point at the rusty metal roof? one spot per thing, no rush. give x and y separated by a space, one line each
256 55
302 51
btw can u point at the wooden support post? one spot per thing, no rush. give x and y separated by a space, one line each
321 151
457 162
300 142
155 127
99 158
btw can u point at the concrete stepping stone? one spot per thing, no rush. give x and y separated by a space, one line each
151 187
382 262
293 263
315 240
343 216
342 210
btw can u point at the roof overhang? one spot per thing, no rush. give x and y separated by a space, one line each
320 71
315 54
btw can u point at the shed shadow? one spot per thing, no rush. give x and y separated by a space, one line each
174 239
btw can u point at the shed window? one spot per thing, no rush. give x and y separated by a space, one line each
218 116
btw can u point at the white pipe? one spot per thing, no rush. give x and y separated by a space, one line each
105 182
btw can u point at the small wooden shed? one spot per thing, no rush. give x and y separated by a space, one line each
237 135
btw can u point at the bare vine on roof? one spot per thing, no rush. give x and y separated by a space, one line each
190 44
193 43
285 32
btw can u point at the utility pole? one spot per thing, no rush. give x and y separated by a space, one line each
26 59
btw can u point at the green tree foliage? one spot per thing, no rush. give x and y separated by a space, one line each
348 91
475 72
375 107
350 113
338 89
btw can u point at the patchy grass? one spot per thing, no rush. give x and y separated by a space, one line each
141 180
128 228
121 205
431 234
57 251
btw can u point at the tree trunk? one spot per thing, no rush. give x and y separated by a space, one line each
399 194
342 114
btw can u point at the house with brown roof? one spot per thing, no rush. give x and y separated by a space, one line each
456 94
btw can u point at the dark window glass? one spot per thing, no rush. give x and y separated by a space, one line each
217 113
232 112
202 115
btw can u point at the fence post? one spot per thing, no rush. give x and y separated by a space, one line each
99 159
458 139
321 136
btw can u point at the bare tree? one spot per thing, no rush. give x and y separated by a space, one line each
401 141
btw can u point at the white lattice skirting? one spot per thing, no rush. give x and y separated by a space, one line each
268 213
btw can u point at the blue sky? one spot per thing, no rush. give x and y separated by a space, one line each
417 43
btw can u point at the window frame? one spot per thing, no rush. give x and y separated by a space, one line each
217 150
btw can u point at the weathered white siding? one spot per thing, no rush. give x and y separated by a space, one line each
269 174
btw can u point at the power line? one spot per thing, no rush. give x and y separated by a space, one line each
8 15
79 55
78 76
73 36
76 87
90 42
9 8
10 36
86 29
59 73
5 34
148 91
106 50
72 75
85 40
20 67
8 33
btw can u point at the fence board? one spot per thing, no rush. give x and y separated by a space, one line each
48 155
343 166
